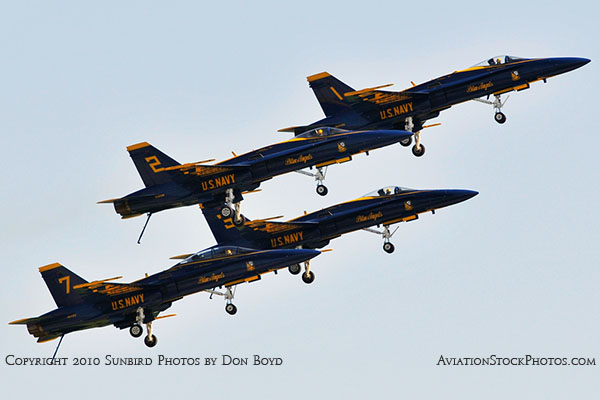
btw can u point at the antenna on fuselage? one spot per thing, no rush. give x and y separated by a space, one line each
56 351
144 228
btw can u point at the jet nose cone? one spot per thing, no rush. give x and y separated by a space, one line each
566 64
458 196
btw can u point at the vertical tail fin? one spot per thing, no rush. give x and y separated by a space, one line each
60 282
330 93
224 231
151 163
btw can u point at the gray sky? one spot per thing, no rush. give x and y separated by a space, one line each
513 271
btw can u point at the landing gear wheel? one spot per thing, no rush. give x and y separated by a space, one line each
239 222
388 247
308 278
406 142
136 330
295 269
150 341
226 212
231 309
418 151
322 190
500 117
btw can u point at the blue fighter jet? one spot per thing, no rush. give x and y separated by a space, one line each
84 305
170 184
382 208
409 109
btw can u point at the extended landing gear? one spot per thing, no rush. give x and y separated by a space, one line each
231 309
388 247
319 177
418 149
150 340
499 117
232 208
295 269
228 294
136 329
308 276
406 142
322 190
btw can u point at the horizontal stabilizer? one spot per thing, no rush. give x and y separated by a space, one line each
181 256
109 201
23 321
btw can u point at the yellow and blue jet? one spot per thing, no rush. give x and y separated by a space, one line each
170 184
84 305
409 109
381 208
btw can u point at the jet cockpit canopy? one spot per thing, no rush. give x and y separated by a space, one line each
388 191
497 60
321 132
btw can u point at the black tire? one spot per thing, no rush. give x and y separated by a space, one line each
388 247
150 342
308 278
500 118
136 330
322 190
418 151
406 142
230 309
226 212
295 269
239 222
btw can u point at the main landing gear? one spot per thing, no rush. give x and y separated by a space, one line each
388 247
308 276
136 329
319 177
499 117
418 149
230 208
228 295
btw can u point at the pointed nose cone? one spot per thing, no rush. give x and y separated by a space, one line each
451 197
566 64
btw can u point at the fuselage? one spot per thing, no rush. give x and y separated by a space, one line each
316 229
389 110
245 172
117 304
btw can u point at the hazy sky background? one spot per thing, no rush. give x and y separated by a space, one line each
513 271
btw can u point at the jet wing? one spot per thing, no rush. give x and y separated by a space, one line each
368 98
277 227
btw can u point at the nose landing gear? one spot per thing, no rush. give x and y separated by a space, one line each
499 116
388 247
319 177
